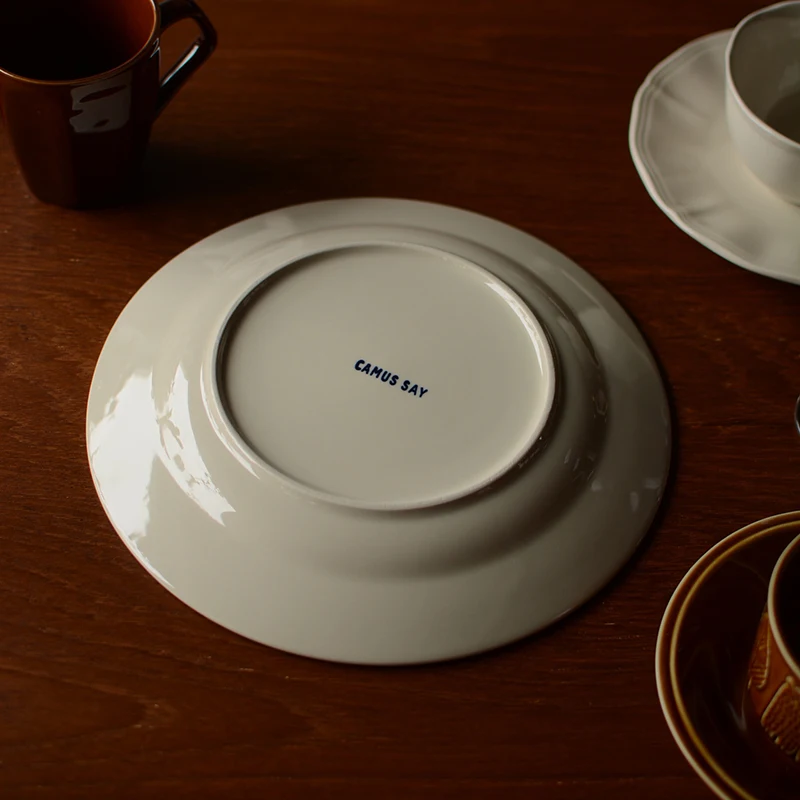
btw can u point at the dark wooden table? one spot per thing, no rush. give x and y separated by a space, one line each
109 687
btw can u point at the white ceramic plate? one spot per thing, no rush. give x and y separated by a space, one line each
377 431
682 150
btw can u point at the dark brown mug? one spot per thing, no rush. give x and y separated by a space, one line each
80 87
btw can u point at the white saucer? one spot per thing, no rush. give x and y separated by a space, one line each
680 145
377 431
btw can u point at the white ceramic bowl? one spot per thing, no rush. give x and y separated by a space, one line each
377 431
762 96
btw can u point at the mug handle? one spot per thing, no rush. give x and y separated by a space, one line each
173 11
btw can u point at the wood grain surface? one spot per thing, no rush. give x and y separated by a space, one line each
109 687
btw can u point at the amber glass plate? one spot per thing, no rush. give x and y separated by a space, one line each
702 655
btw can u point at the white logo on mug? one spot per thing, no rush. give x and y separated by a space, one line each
103 106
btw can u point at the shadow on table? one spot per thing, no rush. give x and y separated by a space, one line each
228 183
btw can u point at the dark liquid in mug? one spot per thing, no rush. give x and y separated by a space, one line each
61 40
788 604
